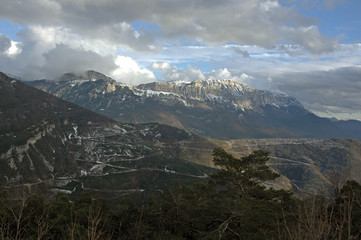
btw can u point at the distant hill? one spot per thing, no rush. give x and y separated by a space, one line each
313 165
220 109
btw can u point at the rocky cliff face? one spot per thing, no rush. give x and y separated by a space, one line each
223 93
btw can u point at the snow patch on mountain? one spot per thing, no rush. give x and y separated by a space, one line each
151 93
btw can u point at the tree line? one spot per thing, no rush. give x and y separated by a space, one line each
233 204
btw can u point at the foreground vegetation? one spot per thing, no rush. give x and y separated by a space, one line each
232 205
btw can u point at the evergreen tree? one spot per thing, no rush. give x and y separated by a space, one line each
246 175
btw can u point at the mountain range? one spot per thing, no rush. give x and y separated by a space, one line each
49 143
221 109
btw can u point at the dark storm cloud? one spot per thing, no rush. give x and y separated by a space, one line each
5 43
55 62
334 91
241 52
75 60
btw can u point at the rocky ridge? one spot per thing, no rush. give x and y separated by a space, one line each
227 93
221 109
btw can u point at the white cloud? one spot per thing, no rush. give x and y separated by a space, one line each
126 64
129 72
192 73
225 74
14 49
220 74
172 73
48 52
45 52
161 66
8 47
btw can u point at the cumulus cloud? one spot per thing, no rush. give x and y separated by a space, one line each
172 73
191 73
188 74
55 62
225 74
220 74
129 72
49 52
161 66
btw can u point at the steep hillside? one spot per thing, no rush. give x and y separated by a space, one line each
37 128
45 141
212 108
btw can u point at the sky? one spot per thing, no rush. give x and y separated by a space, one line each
308 49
